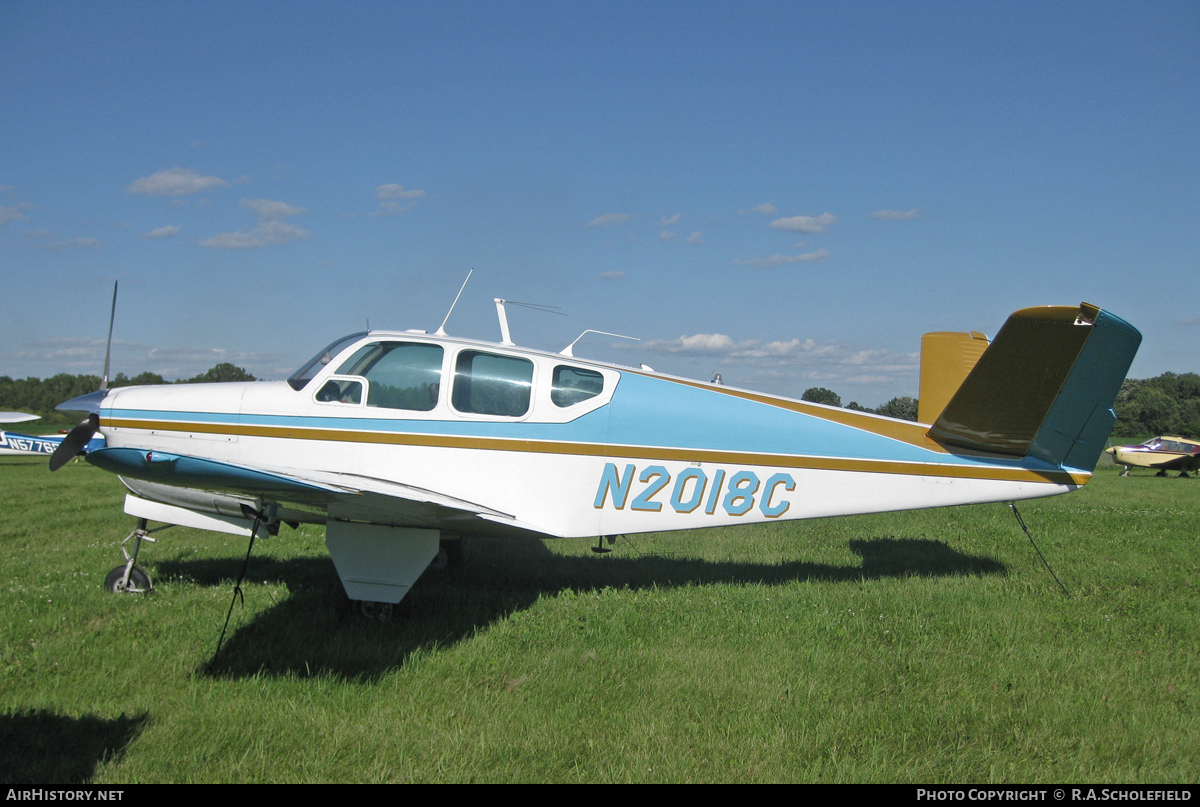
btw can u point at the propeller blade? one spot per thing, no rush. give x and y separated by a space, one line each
74 443
112 317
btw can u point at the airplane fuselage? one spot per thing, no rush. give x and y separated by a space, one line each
558 446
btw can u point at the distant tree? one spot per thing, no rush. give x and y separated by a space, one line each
903 407
39 397
857 407
1167 404
222 372
139 380
822 396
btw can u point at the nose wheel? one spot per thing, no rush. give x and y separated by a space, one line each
129 578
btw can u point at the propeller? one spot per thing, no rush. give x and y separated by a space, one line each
77 439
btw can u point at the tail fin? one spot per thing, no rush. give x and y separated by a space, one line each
1044 388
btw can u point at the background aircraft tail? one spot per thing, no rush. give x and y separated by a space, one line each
1044 388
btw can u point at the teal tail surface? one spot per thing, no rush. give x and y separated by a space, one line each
1044 388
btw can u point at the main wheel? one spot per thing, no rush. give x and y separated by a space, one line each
379 611
139 581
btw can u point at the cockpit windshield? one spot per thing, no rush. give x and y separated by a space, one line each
314 365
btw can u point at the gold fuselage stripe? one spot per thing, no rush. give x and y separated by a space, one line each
608 450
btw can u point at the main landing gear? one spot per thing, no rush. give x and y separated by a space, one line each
449 556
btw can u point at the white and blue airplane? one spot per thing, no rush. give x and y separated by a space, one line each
399 441
25 444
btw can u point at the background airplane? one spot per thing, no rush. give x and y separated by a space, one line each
14 443
401 441
1161 453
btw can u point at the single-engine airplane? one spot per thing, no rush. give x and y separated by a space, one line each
399 440
1160 453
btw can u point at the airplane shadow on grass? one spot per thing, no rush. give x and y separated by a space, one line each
316 631
42 747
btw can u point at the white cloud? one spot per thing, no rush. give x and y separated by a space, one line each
163 232
780 260
394 191
73 243
701 344
174 182
766 209
613 275
668 222
268 210
792 364
271 228
13 213
609 219
389 193
267 233
695 238
667 236
804 224
896 215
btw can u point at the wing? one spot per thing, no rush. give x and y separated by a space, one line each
17 417
206 485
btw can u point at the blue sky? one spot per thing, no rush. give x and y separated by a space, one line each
785 193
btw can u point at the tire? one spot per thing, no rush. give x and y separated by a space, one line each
139 581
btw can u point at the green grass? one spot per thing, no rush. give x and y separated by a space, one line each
910 647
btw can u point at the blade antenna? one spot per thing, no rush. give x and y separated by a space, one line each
568 351
502 315
1021 521
441 331
108 350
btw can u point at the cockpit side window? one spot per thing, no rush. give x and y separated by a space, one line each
489 384
317 363
574 385
341 390
400 375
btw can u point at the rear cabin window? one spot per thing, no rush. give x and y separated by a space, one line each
401 375
574 385
488 384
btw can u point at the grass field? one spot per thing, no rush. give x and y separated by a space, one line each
912 647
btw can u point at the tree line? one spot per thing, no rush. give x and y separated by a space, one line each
903 407
39 396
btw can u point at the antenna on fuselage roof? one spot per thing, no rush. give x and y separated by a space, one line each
567 351
505 336
441 331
